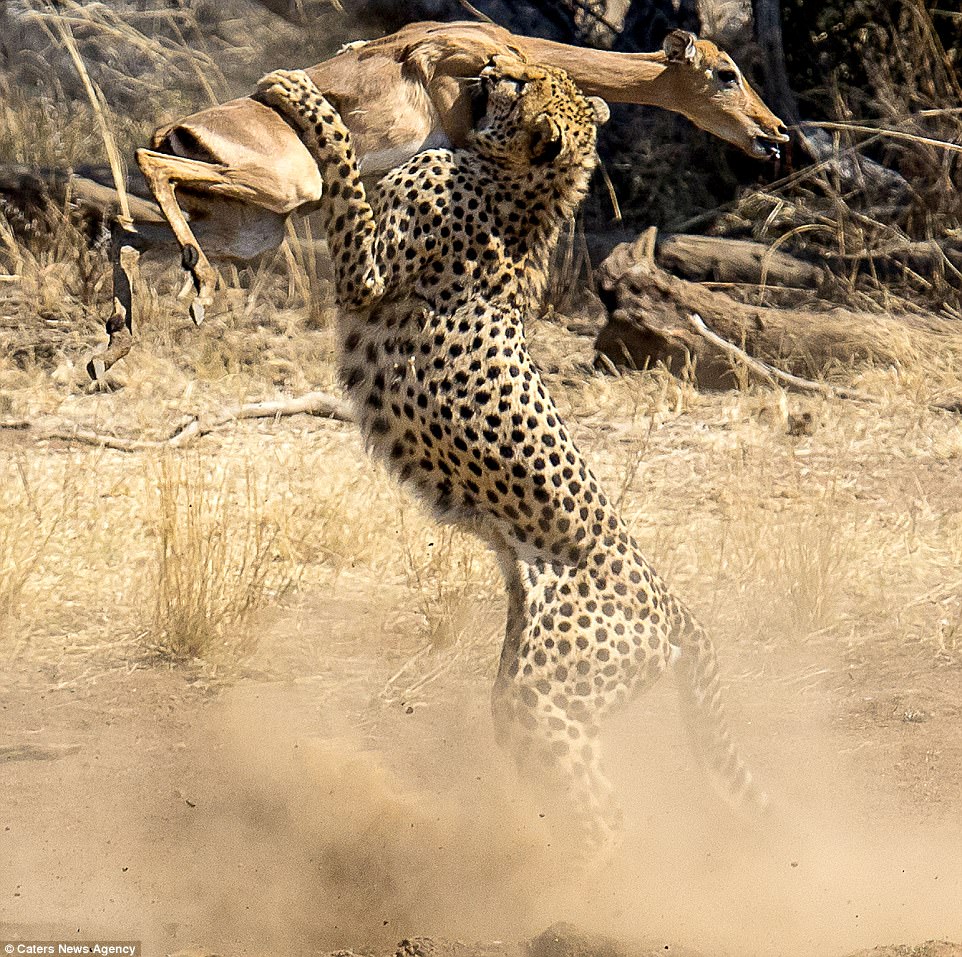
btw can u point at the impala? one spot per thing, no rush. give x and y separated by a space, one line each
227 178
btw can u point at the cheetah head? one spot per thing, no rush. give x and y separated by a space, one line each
528 115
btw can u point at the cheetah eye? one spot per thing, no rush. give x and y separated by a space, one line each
726 76
516 86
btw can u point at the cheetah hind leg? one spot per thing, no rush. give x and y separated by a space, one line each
558 760
556 756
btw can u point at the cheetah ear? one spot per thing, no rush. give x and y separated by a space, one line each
546 141
601 111
679 47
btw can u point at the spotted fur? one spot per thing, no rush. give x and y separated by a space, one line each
435 272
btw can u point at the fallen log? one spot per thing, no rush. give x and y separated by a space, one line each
702 258
89 189
649 322
715 259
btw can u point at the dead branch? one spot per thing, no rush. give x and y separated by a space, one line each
792 382
321 404
650 321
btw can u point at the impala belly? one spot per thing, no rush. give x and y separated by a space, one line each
378 162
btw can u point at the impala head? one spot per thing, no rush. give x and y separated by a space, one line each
709 89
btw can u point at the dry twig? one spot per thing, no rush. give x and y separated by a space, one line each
794 382
773 375
891 134
321 404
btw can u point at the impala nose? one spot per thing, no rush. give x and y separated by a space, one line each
769 145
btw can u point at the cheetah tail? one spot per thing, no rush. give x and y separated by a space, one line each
703 709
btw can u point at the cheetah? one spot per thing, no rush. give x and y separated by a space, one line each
435 271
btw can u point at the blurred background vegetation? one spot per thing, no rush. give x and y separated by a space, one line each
881 209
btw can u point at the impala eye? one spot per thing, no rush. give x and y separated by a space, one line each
728 77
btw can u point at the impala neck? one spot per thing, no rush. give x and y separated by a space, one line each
618 77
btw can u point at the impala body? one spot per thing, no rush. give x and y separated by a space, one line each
227 178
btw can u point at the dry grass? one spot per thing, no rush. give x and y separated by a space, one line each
446 569
29 517
892 99
453 587
847 532
83 74
219 557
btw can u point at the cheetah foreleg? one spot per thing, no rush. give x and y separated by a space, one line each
348 217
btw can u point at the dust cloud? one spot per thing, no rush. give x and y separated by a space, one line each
314 843
310 842
842 862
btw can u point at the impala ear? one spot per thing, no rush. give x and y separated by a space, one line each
679 47
601 111
546 141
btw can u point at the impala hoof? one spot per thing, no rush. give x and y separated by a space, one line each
189 257
97 369
197 311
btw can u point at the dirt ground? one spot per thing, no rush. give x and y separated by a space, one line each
337 785
244 686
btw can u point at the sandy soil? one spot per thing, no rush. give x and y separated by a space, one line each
294 806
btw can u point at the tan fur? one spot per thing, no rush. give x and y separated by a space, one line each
398 95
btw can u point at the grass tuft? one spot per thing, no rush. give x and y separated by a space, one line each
218 558
29 519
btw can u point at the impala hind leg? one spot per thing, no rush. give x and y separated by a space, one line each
127 241
125 244
164 173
